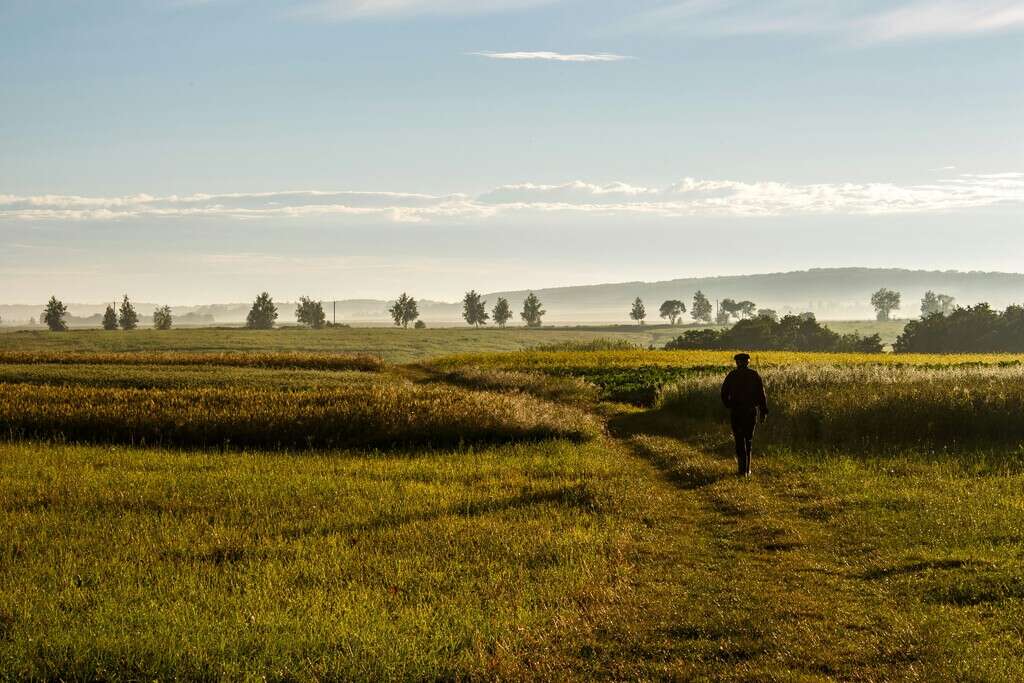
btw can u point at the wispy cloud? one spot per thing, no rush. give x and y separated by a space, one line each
367 9
864 22
554 56
688 197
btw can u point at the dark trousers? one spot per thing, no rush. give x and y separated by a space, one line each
743 420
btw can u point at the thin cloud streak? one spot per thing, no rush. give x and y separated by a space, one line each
343 10
688 197
554 56
884 22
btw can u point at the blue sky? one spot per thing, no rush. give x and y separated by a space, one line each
189 150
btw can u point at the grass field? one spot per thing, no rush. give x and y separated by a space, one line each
393 345
580 518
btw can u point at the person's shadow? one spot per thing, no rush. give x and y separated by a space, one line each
685 473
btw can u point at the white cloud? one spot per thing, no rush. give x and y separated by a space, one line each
554 56
688 197
861 22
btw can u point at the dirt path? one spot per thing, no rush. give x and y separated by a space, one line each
736 579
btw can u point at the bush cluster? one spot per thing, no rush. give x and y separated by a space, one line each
791 333
973 329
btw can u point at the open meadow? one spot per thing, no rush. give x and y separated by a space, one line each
443 504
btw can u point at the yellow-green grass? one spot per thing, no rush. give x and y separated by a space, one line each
196 376
638 558
567 361
252 359
844 567
880 407
360 414
127 564
392 344
635 554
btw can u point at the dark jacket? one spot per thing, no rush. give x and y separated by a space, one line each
744 390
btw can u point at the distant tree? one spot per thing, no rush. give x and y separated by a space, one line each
110 318
947 304
701 308
929 304
53 315
127 318
404 310
474 311
638 312
310 313
262 314
769 313
726 309
502 312
672 309
746 309
420 325
532 311
807 315
162 318
885 302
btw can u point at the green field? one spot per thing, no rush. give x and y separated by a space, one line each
526 515
394 345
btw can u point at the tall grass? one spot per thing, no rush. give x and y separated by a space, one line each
367 414
180 377
252 359
876 406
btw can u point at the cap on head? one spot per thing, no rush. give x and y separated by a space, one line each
743 358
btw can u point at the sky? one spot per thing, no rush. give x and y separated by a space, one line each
198 151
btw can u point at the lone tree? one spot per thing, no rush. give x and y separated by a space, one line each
727 309
933 303
110 318
127 318
672 309
404 311
532 311
885 302
638 312
701 308
262 314
746 309
53 315
162 318
474 310
310 313
502 312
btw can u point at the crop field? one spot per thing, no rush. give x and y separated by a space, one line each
204 512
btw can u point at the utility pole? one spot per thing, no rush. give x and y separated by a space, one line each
334 316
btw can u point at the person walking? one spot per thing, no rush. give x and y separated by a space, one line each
743 395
